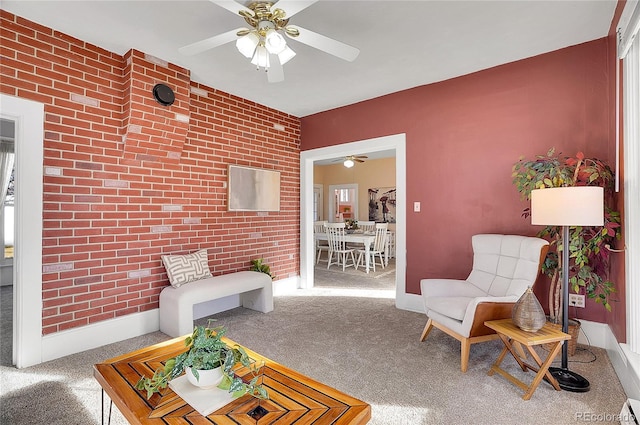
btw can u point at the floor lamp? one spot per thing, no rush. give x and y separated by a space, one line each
566 207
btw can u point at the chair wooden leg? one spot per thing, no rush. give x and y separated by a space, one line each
426 330
465 348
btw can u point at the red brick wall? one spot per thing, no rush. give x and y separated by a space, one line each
127 180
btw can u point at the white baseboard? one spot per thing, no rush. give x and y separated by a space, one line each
593 333
283 286
626 364
74 340
60 344
409 302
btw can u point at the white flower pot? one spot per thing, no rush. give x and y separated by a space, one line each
208 378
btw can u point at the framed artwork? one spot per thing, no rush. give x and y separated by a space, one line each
382 204
253 189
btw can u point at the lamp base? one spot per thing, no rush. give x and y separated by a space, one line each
570 381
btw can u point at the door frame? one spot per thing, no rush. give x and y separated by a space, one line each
27 288
395 142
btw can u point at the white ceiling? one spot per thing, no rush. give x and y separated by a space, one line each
403 44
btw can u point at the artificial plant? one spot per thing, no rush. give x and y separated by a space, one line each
589 247
207 351
258 265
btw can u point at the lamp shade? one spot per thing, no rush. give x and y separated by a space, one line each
274 42
247 44
568 206
286 55
261 57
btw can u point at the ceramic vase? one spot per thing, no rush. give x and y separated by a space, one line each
528 314
207 378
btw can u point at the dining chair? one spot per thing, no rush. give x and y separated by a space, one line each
378 248
318 227
367 226
336 234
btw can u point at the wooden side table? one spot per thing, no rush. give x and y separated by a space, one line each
508 333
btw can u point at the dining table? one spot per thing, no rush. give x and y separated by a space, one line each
365 238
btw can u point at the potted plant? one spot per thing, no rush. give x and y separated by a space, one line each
206 351
589 246
258 265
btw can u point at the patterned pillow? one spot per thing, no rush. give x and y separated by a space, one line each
183 269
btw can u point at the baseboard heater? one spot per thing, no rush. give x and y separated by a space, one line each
629 412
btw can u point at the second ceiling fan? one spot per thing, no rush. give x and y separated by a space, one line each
350 160
263 42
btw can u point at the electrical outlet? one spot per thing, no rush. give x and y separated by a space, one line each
576 300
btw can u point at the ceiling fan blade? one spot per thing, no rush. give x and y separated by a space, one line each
232 6
358 160
210 43
361 156
275 74
291 7
326 44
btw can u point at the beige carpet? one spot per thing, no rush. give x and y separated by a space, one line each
353 339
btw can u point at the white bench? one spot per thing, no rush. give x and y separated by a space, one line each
176 304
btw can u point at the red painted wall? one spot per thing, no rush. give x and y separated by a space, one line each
135 179
464 135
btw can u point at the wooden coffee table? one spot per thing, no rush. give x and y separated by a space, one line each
510 333
293 397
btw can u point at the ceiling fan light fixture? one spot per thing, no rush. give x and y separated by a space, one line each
261 57
247 44
274 42
348 163
286 55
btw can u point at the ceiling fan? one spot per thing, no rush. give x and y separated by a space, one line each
350 160
263 42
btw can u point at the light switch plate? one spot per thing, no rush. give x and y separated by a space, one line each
416 207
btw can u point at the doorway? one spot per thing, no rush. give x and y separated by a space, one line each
7 160
307 249
28 121
343 202
318 202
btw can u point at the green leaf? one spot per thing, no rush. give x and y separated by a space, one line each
225 384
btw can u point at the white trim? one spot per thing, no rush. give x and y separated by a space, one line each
307 250
593 333
631 186
626 364
27 290
83 338
411 302
628 27
283 287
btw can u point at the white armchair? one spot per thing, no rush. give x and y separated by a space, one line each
503 267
